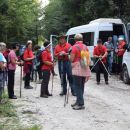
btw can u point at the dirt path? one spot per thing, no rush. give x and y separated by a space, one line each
107 107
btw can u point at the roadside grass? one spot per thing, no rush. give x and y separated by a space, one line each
8 117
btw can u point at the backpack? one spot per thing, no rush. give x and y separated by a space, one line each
85 56
39 58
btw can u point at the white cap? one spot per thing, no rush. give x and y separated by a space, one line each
120 38
29 41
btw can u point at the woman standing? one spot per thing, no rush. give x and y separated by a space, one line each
28 57
46 69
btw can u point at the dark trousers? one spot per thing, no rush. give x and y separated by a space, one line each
39 72
11 75
100 68
27 76
65 71
79 83
119 66
45 82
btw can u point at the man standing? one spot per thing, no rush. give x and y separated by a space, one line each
46 70
28 57
64 66
12 61
100 53
80 74
110 48
120 52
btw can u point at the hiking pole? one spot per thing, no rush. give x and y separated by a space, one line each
52 84
67 100
95 64
21 82
105 68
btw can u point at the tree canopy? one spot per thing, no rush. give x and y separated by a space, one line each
60 15
18 20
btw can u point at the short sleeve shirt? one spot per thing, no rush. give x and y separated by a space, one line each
100 51
28 54
59 48
46 56
11 57
76 51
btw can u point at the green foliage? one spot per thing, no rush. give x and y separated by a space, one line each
18 20
60 15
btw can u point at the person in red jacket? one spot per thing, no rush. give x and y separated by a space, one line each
46 70
64 66
28 57
120 52
100 51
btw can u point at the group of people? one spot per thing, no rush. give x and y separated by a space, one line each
73 65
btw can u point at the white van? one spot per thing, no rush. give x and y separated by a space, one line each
98 29
126 60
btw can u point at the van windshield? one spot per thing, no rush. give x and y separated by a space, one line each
104 35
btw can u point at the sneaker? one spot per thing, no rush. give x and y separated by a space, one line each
98 83
73 105
44 96
106 82
12 97
62 94
28 87
79 107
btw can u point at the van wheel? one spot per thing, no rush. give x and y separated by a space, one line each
126 78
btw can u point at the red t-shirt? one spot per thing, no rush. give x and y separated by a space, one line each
46 56
76 51
121 46
59 48
28 54
100 51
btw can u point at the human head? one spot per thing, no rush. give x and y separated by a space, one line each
2 46
62 38
78 37
99 42
47 45
15 46
109 39
36 47
120 39
29 44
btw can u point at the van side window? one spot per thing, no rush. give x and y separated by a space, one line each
88 38
71 39
104 35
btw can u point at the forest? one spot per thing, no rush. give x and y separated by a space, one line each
26 19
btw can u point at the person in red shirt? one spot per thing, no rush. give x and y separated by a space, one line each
64 66
100 51
46 70
79 74
120 52
28 57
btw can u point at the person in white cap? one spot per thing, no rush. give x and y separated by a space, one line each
120 52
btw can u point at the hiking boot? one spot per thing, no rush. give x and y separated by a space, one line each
44 96
79 107
49 94
106 82
62 94
12 97
73 105
28 87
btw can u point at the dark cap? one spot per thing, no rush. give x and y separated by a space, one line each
46 44
62 35
14 45
99 41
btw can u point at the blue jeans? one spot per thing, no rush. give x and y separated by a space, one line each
65 71
109 62
79 83
1 84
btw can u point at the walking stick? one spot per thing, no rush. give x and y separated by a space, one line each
67 95
52 84
95 64
105 68
21 82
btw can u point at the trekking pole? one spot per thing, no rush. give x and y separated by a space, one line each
105 68
67 100
21 82
52 84
95 64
